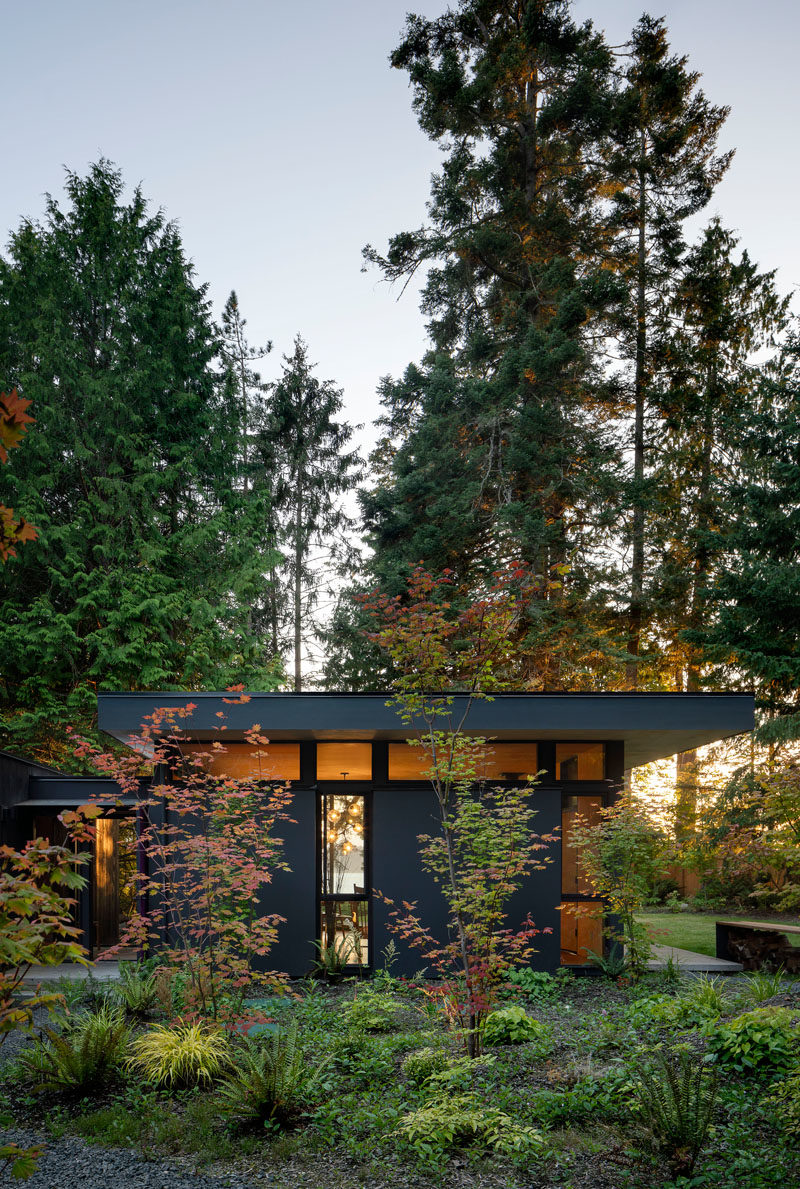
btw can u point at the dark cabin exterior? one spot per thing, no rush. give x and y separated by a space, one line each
359 802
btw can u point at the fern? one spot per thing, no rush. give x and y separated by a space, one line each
676 1097
86 1055
272 1081
137 990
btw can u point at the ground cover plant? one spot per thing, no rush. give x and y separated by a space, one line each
668 1082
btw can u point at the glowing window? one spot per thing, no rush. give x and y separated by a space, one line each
407 762
344 900
573 880
580 761
243 761
344 761
500 761
579 933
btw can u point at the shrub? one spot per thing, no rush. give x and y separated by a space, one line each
512 1025
85 1056
604 1094
536 984
458 1122
372 1011
188 1055
706 994
272 1080
332 960
459 1073
703 1001
421 1064
676 1097
785 1101
766 1038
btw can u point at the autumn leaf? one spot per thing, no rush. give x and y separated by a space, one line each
13 532
13 420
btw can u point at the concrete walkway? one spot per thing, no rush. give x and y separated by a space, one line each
689 961
685 959
102 971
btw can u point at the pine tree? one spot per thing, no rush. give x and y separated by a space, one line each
500 443
664 165
147 556
304 449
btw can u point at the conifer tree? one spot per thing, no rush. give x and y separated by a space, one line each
249 398
147 556
723 312
664 165
239 356
500 444
754 636
305 451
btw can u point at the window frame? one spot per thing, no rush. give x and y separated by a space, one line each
358 788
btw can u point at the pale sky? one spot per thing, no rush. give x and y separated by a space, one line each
280 139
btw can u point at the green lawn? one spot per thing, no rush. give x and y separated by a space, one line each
695 930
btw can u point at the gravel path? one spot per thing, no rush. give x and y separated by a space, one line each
69 1163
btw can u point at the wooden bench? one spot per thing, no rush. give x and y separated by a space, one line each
757 943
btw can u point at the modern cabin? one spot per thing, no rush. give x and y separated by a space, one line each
360 801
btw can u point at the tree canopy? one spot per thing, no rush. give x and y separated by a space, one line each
149 552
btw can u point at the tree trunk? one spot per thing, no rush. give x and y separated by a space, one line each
298 562
687 772
635 614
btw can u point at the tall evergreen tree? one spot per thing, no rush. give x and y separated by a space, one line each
754 635
305 451
664 165
248 393
245 382
723 312
500 441
148 556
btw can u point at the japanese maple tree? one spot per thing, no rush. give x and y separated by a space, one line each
485 846
211 846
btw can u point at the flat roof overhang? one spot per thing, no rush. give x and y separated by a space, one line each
651 725
68 792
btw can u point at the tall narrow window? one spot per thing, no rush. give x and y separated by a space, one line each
344 898
573 878
581 910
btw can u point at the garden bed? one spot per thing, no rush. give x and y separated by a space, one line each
556 1109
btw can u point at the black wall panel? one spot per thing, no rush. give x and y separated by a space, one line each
541 893
292 894
398 816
